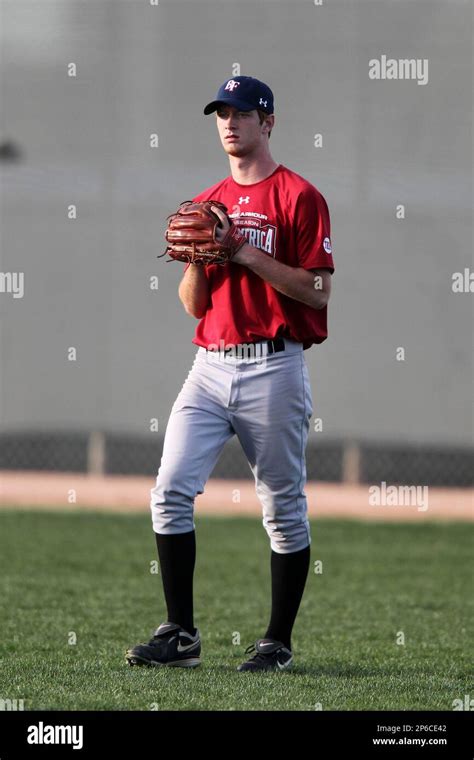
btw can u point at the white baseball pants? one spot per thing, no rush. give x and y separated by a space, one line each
266 402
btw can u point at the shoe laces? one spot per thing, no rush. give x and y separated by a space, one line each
258 656
163 637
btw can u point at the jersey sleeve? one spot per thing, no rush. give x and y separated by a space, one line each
313 231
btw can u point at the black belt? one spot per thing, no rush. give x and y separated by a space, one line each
274 345
277 344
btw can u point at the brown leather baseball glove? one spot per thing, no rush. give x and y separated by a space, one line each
191 235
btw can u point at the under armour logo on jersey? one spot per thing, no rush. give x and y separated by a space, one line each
262 102
231 85
244 200
327 245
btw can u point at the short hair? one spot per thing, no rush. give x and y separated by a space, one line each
262 116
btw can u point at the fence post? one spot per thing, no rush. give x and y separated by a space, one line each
351 462
96 453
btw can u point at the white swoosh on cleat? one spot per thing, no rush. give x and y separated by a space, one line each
185 649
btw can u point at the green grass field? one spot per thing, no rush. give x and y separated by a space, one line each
90 574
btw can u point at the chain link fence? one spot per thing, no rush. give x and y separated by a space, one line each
334 461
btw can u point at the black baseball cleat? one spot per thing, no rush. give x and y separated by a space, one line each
269 655
170 645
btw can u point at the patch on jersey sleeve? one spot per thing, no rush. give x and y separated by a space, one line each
327 245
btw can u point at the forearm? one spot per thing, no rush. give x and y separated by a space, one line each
194 291
294 282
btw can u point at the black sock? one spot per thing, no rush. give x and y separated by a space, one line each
289 573
177 555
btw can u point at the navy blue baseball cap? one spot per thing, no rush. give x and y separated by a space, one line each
244 93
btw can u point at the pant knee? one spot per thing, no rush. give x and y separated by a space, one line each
287 536
171 505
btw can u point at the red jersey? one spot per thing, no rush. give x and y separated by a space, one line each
285 216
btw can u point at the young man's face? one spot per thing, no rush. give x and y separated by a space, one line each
240 131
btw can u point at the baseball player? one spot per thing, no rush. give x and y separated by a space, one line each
257 314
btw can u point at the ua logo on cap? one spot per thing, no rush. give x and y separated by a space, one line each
262 102
231 85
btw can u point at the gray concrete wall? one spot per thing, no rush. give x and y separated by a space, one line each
145 69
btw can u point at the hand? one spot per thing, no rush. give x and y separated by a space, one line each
224 227
239 256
